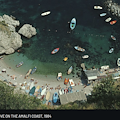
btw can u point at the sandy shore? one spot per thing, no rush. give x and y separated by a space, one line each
42 80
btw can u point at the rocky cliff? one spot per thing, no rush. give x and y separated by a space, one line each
10 40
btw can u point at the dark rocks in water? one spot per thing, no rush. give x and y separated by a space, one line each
112 8
26 45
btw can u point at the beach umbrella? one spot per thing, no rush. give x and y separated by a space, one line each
32 90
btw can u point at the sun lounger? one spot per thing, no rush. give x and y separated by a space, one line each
71 82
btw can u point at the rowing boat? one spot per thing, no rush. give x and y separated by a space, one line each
73 23
113 37
69 70
45 13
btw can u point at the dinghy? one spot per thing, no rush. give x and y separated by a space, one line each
20 64
73 23
108 19
85 56
103 14
111 50
43 91
45 13
33 70
28 73
79 48
55 97
113 22
55 50
60 92
113 37
48 95
98 7
69 70
66 81
118 62
31 85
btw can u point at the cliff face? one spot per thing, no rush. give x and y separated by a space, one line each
10 40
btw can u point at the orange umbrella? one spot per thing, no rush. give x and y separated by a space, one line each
113 22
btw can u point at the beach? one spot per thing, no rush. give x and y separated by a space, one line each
49 81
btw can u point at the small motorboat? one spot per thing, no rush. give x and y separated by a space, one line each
65 59
79 48
55 97
113 37
28 73
55 50
70 70
48 95
45 13
85 56
108 19
72 23
113 22
118 62
97 7
33 70
59 77
43 91
103 14
60 92
66 81
65 90
111 50
20 64
31 85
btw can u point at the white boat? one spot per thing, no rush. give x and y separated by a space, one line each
103 14
108 19
70 70
43 91
45 13
111 50
118 62
60 92
113 37
31 85
48 95
85 56
73 23
97 7
79 48
71 82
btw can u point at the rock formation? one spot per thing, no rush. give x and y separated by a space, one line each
112 8
27 31
10 40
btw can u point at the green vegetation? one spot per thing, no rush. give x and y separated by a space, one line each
4 28
105 95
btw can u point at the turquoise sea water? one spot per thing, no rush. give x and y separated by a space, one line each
91 33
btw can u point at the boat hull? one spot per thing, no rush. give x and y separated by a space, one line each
20 64
118 62
103 14
111 50
45 13
69 70
113 37
113 22
108 19
73 24
85 56
33 70
55 97
79 48
55 51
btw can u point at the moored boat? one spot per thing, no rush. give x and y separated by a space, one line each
55 50
108 19
72 23
28 73
48 95
70 70
62 90
20 64
113 22
85 56
45 13
97 7
113 37
79 48
55 97
43 91
118 62
111 50
59 77
103 14
33 70
32 90
65 59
